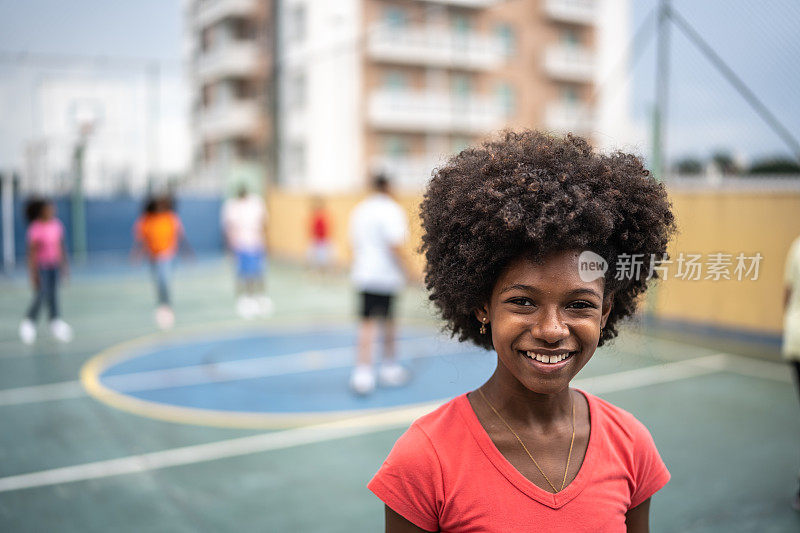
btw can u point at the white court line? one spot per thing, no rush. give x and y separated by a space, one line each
757 369
140 381
329 431
255 367
65 390
738 364
216 450
239 369
651 375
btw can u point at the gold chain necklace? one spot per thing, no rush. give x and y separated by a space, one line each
569 456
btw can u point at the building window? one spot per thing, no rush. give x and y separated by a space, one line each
462 86
395 18
395 80
395 147
243 30
570 96
570 38
504 33
460 143
296 161
297 23
461 23
296 97
507 98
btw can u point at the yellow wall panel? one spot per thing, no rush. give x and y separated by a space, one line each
708 222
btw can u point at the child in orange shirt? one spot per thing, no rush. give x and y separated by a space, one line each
158 233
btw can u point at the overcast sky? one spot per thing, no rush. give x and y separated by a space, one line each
759 40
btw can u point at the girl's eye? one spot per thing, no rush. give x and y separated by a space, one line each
581 305
521 301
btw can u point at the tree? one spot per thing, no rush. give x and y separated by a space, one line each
775 165
689 166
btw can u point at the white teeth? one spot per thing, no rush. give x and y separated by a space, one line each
550 359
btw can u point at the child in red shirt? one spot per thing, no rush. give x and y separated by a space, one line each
319 254
521 238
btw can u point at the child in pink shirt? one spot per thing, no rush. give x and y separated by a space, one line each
521 237
47 260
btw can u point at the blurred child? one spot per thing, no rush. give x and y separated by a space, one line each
319 254
159 233
47 261
791 321
244 221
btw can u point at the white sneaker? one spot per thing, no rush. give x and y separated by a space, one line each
61 330
247 307
27 331
265 307
394 375
165 318
362 380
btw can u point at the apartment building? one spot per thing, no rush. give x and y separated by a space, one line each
398 85
230 50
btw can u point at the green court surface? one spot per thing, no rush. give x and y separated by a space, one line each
727 424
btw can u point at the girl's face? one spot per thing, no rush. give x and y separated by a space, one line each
545 310
48 211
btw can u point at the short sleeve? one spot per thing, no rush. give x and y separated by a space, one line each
396 227
650 472
410 480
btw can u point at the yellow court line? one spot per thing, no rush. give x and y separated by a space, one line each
94 367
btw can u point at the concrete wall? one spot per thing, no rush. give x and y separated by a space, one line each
732 222
709 222
290 216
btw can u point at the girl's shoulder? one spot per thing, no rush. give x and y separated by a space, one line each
45 225
442 421
618 425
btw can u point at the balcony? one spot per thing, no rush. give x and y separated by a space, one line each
569 63
433 112
211 11
478 4
406 173
422 46
571 11
575 118
238 119
236 59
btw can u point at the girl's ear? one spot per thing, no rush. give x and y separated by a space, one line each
482 314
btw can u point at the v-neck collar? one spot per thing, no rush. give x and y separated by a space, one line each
554 501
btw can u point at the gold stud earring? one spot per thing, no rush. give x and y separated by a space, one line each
483 326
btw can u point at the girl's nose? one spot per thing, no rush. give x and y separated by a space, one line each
549 327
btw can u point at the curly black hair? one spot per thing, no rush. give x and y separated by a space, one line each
532 193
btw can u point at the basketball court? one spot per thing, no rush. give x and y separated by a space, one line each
231 425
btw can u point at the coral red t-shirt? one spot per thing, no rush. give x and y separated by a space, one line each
445 474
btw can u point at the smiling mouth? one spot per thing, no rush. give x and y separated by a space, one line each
548 359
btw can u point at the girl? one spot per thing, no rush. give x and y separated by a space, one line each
159 232
521 237
47 261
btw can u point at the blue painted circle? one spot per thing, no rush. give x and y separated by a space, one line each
285 373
